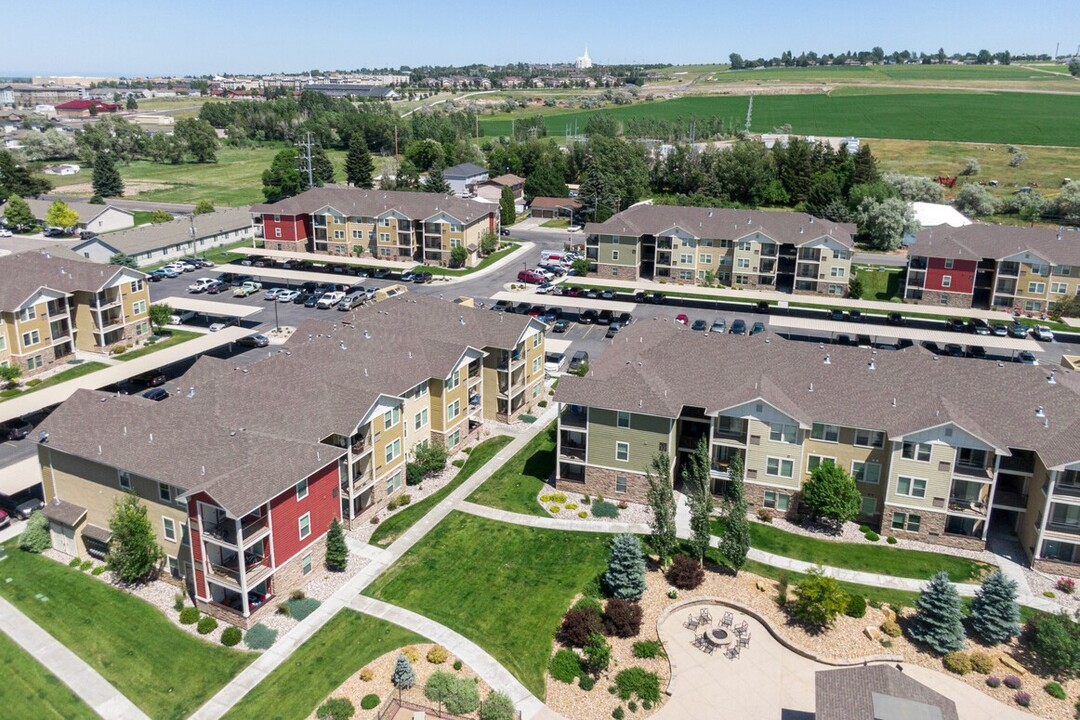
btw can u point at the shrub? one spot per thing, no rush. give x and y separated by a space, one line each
578 624
685 573
763 515
993 681
542 403
1055 690
981 663
411 654
856 606
498 706
957 662
260 637
597 653
369 702
622 618
1022 698
623 505
231 636
820 599
458 665
1055 639
891 540
559 498
459 695
86 565
632 706
98 570
618 713
337 709
189 616
367 675
458 463
303 607
673 593
297 595
74 562
554 509
603 509
283 609
1012 682
583 515
640 682
414 474
570 506
588 602
599 498
437 655
1049 594
178 602
647 649
565 666
891 628
1066 585
864 529
206 625
782 588
586 682
585 500
872 536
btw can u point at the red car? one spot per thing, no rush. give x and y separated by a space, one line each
681 318
530 277
4 519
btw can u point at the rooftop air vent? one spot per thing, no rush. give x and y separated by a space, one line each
1039 412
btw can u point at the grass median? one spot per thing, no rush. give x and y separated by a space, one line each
168 339
28 684
71 373
392 528
515 485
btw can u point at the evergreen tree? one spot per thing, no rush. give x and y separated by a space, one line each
359 167
132 104
866 169
662 503
625 576
106 179
735 541
125 260
17 213
408 176
403 677
15 179
435 183
939 622
322 170
282 179
133 551
546 180
995 616
337 552
507 211
696 477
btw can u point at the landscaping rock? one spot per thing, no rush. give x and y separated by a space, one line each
888 612
1012 664
872 633
761 586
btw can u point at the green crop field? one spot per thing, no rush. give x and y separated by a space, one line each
956 74
1021 118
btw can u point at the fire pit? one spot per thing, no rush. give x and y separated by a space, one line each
718 637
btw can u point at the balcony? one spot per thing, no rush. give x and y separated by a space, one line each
1063 528
735 430
1010 499
360 445
916 263
720 467
572 418
1023 463
964 506
807 272
1005 287
809 255
1064 490
1009 268
256 570
572 452
663 244
977 472
223 531
103 302
111 322
916 279
57 309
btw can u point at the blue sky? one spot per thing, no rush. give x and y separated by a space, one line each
131 37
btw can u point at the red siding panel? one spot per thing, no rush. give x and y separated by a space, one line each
293 227
962 275
285 511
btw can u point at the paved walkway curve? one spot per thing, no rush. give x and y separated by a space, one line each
482 663
257 671
84 681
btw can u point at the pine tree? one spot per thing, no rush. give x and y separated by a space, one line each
106 179
625 576
995 616
696 478
359 167
337 552
133 550
403 677
939 621
435 183
662 503
735 541
866 169
507 212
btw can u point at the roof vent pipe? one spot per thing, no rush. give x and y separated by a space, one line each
641 403
811 387
1039 412
870 365
827 360
1052 380
894 402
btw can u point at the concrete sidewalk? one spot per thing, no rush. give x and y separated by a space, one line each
510 258
553 523
84 681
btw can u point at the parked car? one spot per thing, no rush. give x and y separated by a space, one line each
719 325
529 277
222 324
408 276
216 287
272 293
999 329
4 232
535 311
255 340
22 504
836 314
249 287
544 288
1042 333
156 394
854 315
168 272
550 315
954 350
5 519
954 324
624 319
580 358
931 346
738 327
977 326
329 300
605 317
976 351
758 327
150 378
895 318
613 330
588 317
554 362
422 277
502 306
682 318
287 296
505 232
181 317
607 295
763 307
313 299
522 308
1018 330
656 298
699 325
1027 358
157 275
350 301
560 326
15 429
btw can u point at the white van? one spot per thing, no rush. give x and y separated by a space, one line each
553 256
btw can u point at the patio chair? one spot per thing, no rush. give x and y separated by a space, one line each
698 640
733 652
692 623
709 648
742 628
705 616
744 640
728 620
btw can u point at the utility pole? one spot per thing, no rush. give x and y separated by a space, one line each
305 160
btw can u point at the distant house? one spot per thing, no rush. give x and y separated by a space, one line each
464 178
62 169
374 92
93 218
552 207
82 108
931 215
492 189
183 236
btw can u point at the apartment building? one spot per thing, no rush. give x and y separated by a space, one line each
785 251
993 266
52 305
388 225
243 469
943 450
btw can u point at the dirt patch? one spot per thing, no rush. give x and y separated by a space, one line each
132 188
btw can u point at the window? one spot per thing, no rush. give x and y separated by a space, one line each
686 259
28 313
1059 288
393 483
614 255
828 433
1037 288
946 281
948 263
537 338
776 501
393 449
385 222
391 418
1065 270
339 234
453 410
136 286
779 467
305 525
620 483
3 342
915 451
781 432
911 487
536 365
837 290
622 419
305 564
277 232
869 438
622 451
453 380
812 461
174 566
384 237
357 234
868 506
421 419
31 338
421 389
125 481
906 521
705 259
139 307
943 299
302 489
866 472
837 271
168 526
742 263
455 438
1067 515
164 492
971 457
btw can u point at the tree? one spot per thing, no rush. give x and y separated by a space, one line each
35 536
131 104
995 615
165 148
282 179
106 179
199 139
160 216
489 242
866 169
10 373
939 621
625 576
458 694
17 213
824 189
882 224
458 256
1067 203
337 552
696 481
498 706
15 179
831 493
1074 68
971 168
1055 639
581 266
435 183
160 315
133 550
507 211
975 200
408 176
736 61
915 189
431 457
820 599
615 176
359 167
602 124
403 677
547 180
322 170
426 154
597 653
204 207
855 287
734 543
662 503
126 261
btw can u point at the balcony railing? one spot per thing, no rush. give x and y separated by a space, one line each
101 303
1009 268
721 469
967 507
360 446
1017 463
1063 528
973 471
1008 498
577 452
1069 491
573 419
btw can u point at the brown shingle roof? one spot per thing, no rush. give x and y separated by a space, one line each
553 203
975 242
370 203
64 512
722 223
102 535
507 179
23 274
658 367
848 693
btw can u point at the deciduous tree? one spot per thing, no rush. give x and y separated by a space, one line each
662 503
204 207
199 139
819 599
458 256
17 213
507 211
882 224
734 542
133 550
975 200
696 479
160 314
831 494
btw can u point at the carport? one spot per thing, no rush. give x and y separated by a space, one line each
329 259
292 278
211 307
564 301
20 475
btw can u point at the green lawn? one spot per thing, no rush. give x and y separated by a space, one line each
502 586
162 669
70 374
345 644
451 272
396 524
880 284
171 337
515 485
866 557
142 217
28 685
556 223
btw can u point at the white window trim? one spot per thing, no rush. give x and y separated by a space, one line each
823 438
865 463
823 458
618 444
166 521
625 484
911 487
300 525
856 442
618 419
779 467
307 489
918 446
306 561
